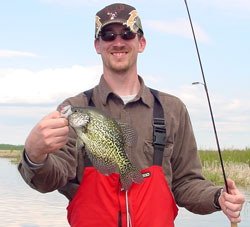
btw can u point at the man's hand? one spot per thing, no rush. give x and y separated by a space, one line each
232 203
48 136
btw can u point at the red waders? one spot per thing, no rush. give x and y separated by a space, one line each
101 202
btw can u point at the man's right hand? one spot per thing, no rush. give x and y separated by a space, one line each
48 136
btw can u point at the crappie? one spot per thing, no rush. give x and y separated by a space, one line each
106 140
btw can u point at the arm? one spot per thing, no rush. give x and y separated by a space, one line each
44 146
190 188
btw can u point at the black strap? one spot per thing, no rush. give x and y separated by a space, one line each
89 93
159 128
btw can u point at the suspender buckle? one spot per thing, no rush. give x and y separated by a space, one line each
159 134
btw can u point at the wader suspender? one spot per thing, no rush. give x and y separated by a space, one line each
159 128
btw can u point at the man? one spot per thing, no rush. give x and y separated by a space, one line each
171 177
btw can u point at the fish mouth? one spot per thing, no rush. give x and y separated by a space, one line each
66 111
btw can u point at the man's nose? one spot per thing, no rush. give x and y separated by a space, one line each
118 41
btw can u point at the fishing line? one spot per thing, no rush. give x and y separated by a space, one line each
129 224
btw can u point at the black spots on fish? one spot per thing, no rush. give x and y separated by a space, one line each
105 140
129 134
103 165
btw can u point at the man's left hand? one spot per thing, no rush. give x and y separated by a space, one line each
231 203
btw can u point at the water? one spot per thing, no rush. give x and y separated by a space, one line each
21 206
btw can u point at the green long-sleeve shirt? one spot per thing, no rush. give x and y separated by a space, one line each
181 164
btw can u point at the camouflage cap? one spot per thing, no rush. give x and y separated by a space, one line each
118 13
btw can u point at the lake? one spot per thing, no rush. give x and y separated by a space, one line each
21 206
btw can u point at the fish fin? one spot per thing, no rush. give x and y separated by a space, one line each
132 174
79 145
129 134
103 166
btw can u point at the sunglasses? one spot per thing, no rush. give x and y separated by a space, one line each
111 36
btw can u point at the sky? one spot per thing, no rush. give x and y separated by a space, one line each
47 54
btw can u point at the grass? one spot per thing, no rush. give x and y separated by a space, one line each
11 147
14 155
236 165
235 156
14 152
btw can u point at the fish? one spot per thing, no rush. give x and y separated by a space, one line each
105 140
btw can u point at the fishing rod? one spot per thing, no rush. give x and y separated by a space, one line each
209 104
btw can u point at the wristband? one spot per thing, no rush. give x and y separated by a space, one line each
30 163
216 199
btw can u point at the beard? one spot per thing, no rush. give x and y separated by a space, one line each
119 65
119 68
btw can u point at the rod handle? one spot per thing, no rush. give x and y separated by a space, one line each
234 224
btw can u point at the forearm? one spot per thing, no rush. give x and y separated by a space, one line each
51 175
197 196
190 188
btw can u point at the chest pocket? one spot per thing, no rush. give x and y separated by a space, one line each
155 150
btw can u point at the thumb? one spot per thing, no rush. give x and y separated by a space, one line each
231 185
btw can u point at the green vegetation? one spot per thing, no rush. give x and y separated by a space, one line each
236 165
11 147
235 156
14 152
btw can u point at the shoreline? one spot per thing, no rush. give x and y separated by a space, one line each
239 172
10 153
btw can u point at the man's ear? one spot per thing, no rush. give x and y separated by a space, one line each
97 46
142 44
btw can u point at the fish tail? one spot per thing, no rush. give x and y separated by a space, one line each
130 175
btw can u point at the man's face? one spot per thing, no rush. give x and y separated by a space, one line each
119 55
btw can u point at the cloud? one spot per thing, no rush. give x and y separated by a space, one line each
234 5
17 121
80 2
230 114
26 96
95 2
227 4
13 54
179 26
45 86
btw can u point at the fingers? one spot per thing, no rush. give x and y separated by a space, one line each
232 203
48 136
54 114
53 127
234 196
232 211
53 120
54 143
231 186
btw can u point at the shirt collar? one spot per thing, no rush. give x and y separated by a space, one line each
104 90
144 93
